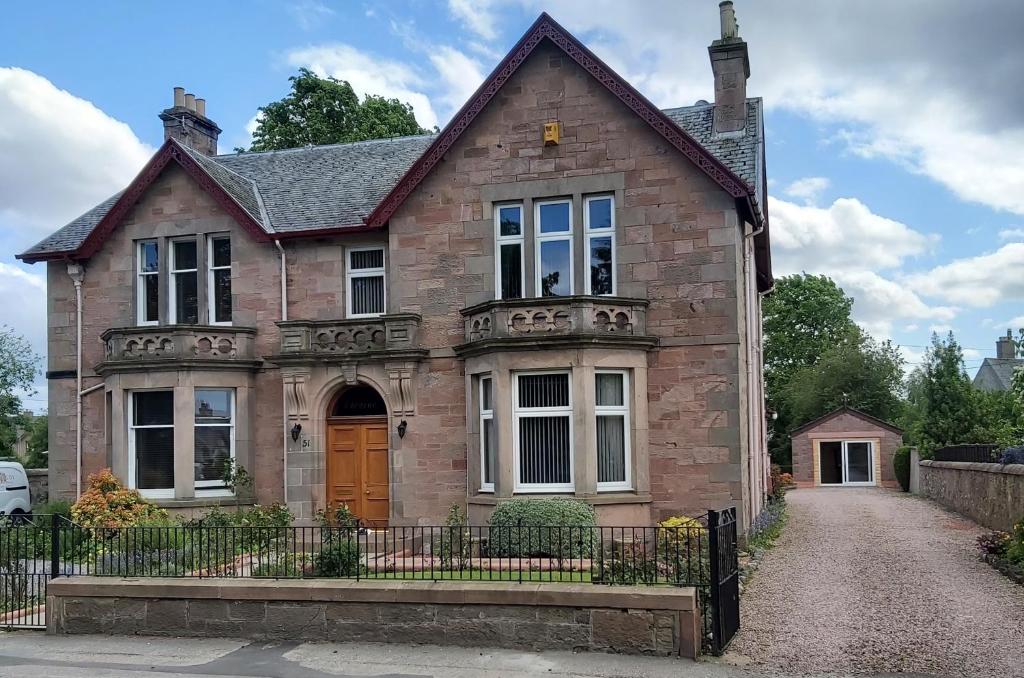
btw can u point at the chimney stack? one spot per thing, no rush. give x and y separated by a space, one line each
186 122
1006 348
731 66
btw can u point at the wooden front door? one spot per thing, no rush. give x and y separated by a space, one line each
357 468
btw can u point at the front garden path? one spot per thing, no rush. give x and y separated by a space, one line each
875 581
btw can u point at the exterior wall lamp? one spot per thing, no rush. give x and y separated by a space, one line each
296 430
402 428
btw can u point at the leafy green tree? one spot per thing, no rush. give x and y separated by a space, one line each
38 442
18 369
327 111
949 406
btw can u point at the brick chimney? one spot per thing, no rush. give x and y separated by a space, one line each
1006 349
186 122
731 67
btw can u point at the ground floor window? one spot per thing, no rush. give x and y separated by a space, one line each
151 442
612 425
542 414
487 441
214 436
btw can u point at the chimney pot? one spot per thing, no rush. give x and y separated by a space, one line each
201 107
179 97
190 101
731 67
727 16
187 123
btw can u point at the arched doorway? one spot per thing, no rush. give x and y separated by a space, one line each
357 453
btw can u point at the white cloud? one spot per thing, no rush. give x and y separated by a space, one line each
979 281
808 189
61 155
460 74
476 15
1011 234
1015 323
27 317
309 14
369 74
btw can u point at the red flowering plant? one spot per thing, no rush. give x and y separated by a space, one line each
108 504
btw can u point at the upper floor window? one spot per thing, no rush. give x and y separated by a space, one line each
148 292
542 413
509 231
554 268
366 285
599 226
184 287
218 282
488 444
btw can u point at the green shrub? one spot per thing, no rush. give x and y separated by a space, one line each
58 507
339 557
554 527
901 465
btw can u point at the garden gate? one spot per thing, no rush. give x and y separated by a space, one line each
28 559
725 578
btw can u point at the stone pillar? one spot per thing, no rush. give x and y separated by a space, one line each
915 471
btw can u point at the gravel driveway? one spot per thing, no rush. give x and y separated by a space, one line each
875 581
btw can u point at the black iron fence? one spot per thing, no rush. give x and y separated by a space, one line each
975 453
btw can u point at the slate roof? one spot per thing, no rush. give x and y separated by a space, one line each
997 373
321 187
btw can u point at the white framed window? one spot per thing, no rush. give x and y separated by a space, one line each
488 444
509 266
214 436
218 279
599 227
542 426
554 250
365 282
611 407
151 443
183 291
147 294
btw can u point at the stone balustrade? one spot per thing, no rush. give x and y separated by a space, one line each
529 323
390 336
132 348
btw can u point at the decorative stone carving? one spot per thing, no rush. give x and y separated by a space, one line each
537 320
400 385
134 348
303 341
295 393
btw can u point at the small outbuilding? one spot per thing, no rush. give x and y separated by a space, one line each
846 447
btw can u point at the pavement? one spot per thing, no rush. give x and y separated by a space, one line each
31 654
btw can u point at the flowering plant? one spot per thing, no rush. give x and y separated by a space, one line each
107 503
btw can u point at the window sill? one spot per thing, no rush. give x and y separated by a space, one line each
605 498
201 502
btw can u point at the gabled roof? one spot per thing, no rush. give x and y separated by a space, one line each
1001 370
846 410
341 188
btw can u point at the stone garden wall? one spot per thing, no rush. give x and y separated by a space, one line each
990 494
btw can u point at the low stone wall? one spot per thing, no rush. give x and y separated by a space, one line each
626 619
38 485
990 494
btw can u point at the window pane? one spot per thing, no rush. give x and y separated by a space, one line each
368 295
510 220
600 213
186 298
609 390
488 450
153 408
555 268
544 450
213 449
222 295
611 449
543 390
554 217
148 259
512 271
221 251
366 259
213 405
185 254
485 394
150 298
154 458
601 265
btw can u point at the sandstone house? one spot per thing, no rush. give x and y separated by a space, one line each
558 294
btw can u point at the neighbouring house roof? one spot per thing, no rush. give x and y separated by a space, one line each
846 410
996 374
323 189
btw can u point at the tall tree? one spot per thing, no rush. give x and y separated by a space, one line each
327 111
18 369
950 405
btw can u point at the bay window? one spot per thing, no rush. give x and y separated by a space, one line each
554 248
151 442
366 285
184 287
599 227
510 272
611 391
488 444
214 436
148 286
218 279
542 425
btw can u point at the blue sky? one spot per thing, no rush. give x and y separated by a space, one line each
894 136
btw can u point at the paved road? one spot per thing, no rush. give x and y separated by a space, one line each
871 580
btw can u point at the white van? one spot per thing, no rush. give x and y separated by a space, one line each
14 495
